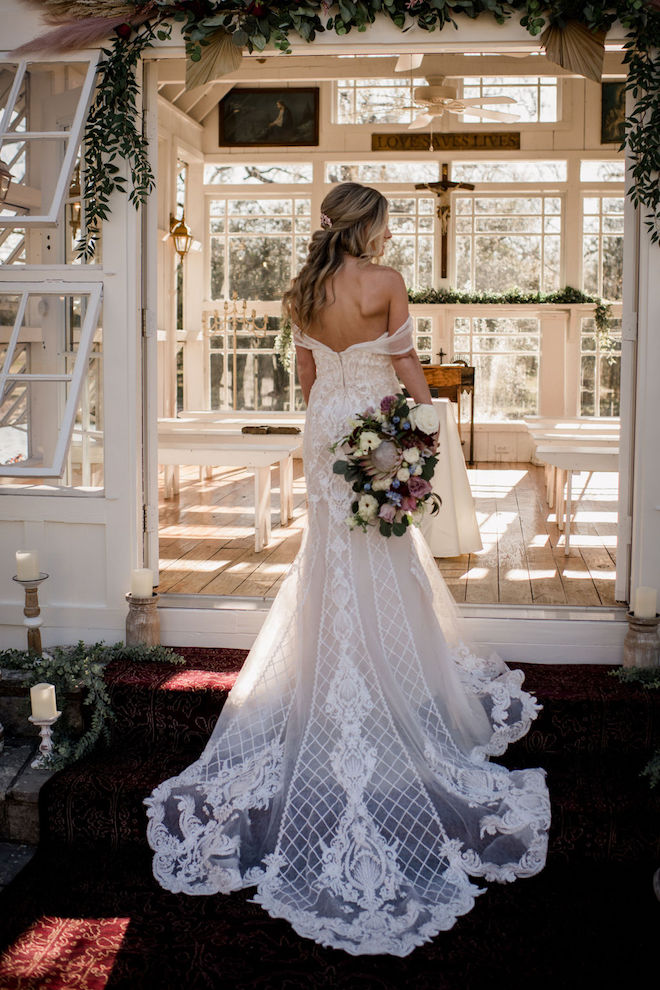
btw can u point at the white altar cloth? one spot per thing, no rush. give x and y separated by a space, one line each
453 530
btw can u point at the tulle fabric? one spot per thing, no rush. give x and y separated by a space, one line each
348 776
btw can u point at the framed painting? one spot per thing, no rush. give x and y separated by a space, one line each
613 112
270 117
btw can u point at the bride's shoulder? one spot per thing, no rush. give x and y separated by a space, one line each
388 279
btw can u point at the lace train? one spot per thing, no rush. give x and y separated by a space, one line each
348 776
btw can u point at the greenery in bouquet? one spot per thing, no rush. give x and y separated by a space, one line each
389 462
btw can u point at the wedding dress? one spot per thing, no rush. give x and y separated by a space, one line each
347 777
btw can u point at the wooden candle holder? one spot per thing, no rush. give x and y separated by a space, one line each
143 621
641 647
32 611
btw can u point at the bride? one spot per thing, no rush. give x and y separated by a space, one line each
347 777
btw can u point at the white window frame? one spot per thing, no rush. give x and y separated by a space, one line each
94 291
72 137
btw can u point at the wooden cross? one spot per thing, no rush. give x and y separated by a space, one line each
441 355
443 191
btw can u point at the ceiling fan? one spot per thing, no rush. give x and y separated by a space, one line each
436 99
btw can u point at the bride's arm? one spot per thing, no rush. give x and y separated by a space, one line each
306 368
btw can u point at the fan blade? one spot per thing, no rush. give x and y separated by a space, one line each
505 118
481 101
422 121
406 63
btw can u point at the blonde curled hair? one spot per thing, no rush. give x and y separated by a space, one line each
358 220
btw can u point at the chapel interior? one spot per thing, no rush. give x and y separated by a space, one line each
525 206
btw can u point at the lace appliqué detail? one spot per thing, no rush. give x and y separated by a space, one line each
197 853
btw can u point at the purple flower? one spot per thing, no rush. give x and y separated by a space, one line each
387 512
418 487
387 403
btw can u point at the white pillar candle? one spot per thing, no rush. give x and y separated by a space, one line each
42 699
27 565
142 583
646 603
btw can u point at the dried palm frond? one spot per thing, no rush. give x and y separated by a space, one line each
575 48
219 57
62 12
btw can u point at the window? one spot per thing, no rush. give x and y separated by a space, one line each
410 250
382 172
256 245
258 173
375 101
46 336
30 119
244 370
607 171
535 96
503 242
538 171
600 370
423 338
505 353
602 246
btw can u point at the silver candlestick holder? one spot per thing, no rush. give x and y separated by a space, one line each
32 611
46 745
143 621
641 647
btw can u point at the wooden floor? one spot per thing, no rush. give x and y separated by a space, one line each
207 539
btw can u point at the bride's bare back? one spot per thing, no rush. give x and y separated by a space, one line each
364 302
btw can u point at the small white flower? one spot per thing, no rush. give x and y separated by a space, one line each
416 468
367 506
411 455
381 484
403 474
368 441
425 418
351 522
419 513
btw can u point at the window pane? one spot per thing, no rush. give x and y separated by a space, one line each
539 171
375 101
505 354
602 171
382 172
258 173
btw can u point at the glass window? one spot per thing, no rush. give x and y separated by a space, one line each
256 245
602 246
505 353
535 96
258 173
540 171
607 171
40 131
382 172
375 101
423 338
600 370
505 242
46 339
410 250
244 369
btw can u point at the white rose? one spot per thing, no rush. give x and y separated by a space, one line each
368 441
424 418
403 474
367 506
380 484
411 455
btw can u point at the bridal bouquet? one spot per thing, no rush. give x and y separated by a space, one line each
389 464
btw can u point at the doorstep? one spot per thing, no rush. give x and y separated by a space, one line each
19 792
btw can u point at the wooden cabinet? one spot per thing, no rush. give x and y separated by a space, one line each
447 381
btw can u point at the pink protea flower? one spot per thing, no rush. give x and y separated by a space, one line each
418 487
383 461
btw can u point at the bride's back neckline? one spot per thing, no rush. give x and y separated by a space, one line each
358 343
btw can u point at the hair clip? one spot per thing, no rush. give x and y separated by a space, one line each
326 221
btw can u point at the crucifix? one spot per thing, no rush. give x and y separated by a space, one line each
443 191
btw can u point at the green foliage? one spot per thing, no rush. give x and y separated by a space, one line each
649 678
115 133
81 666
283 344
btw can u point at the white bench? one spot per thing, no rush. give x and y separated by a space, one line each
570 432
566 460
213 448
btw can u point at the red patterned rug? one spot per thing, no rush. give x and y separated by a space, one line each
86 913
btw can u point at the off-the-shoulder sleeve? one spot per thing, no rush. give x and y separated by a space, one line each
300 339
401 341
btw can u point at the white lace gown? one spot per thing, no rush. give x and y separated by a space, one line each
347 777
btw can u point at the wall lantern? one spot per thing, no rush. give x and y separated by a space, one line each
76 205
5 181
182 236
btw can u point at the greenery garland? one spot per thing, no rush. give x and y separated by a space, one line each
254 24
649 679
80 666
